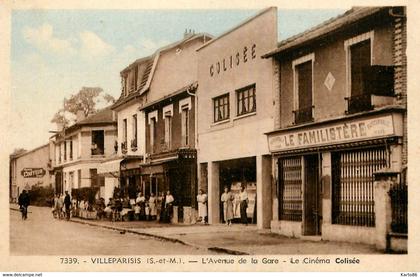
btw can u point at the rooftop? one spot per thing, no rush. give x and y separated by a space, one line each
327 27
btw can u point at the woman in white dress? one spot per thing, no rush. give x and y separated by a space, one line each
227 200
202 206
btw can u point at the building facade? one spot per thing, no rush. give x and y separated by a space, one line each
340 118
29 169
235 110
79 149
156 123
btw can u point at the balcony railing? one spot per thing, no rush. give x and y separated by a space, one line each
303 115
359 103
134 144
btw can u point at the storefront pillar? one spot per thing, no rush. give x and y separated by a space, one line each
396 157
213 193
264 197
326 188
383 212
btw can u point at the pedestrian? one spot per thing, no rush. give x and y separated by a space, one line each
244 205
55 206
227 200
141 201
23 202
152 206
60 204
67 205
202 206
169 208
160 202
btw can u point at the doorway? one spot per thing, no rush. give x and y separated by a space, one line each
313 205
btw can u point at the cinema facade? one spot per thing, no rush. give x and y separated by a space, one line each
340 137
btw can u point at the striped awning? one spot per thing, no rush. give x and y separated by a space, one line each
111 167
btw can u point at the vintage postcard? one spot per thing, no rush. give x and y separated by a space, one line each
242 136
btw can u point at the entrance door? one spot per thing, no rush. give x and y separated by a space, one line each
312 208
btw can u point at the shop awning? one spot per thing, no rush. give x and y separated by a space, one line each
110 168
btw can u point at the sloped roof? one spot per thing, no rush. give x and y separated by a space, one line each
351 16
151 62
102 116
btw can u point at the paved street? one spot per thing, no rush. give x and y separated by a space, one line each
43 235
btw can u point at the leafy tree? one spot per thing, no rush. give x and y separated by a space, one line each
85 100
18 151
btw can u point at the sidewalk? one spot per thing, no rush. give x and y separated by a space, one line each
235 240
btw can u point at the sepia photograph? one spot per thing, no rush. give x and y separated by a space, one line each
204 136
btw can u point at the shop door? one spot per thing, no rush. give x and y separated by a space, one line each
312 206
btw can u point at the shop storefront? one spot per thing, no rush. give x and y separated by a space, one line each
325 174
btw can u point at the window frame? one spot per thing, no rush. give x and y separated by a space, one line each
295 64
91 139
215 108
242 90
347 44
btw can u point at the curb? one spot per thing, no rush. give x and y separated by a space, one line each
164 238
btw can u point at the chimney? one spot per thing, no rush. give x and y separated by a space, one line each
80 115
188 33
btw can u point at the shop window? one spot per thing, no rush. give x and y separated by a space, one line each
353 189
290 189
303 89
185 117
97 142
221 108
134 128
246 100
124 138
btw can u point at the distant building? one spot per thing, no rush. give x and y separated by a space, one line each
78 150
340 117
29 169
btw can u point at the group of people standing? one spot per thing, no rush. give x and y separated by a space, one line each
228 199
143 207
62 206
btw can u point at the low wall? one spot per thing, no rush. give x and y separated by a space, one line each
287 228
347 233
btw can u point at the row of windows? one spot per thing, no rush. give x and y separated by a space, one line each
359 58
97 146
168 122
133 142
95 179
245 103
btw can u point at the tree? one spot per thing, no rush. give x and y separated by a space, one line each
18 151
85 100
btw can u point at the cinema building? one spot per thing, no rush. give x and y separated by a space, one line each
235 110
340 125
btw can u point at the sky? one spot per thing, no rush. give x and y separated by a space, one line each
54 53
